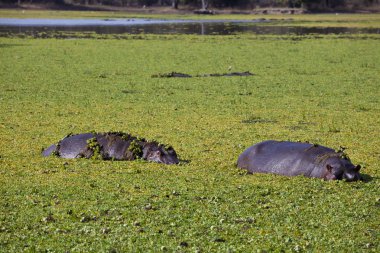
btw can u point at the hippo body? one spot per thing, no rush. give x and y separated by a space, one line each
111 146
295 158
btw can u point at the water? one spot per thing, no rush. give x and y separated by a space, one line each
155 26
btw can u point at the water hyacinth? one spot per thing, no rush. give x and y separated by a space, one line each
304 87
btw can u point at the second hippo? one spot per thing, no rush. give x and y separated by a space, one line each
296 158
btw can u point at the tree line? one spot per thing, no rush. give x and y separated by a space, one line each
205 4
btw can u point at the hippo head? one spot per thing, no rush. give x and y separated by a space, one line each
338 169
159 153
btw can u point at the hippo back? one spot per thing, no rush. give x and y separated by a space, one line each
49 150
74 146
114 146
284 158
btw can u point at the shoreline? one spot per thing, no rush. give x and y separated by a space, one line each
186 10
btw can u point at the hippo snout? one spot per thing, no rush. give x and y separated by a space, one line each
169 159
350 177
172 161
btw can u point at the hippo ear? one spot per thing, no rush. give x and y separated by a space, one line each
156 153
154 156
329 167
357 168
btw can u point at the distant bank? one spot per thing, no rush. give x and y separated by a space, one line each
188 9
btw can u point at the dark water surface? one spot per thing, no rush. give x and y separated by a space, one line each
154 26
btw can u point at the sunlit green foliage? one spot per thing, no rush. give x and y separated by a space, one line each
322 89
94 149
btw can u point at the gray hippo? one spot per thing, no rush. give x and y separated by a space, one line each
296 158
112 146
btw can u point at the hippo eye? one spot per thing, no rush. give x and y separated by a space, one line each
339 173
339 176
168 150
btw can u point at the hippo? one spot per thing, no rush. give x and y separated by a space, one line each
182 75
296 158
111 146
172 74
246 73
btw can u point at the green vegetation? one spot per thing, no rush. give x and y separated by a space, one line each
322 89
94 149
136 149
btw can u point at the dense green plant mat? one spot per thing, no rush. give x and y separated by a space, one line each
321 89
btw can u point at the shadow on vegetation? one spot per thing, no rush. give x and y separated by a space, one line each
296 128
300 126
10 89
367 178
130 91
6 45
254 120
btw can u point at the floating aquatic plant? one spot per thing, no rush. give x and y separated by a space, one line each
94 146
136 149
